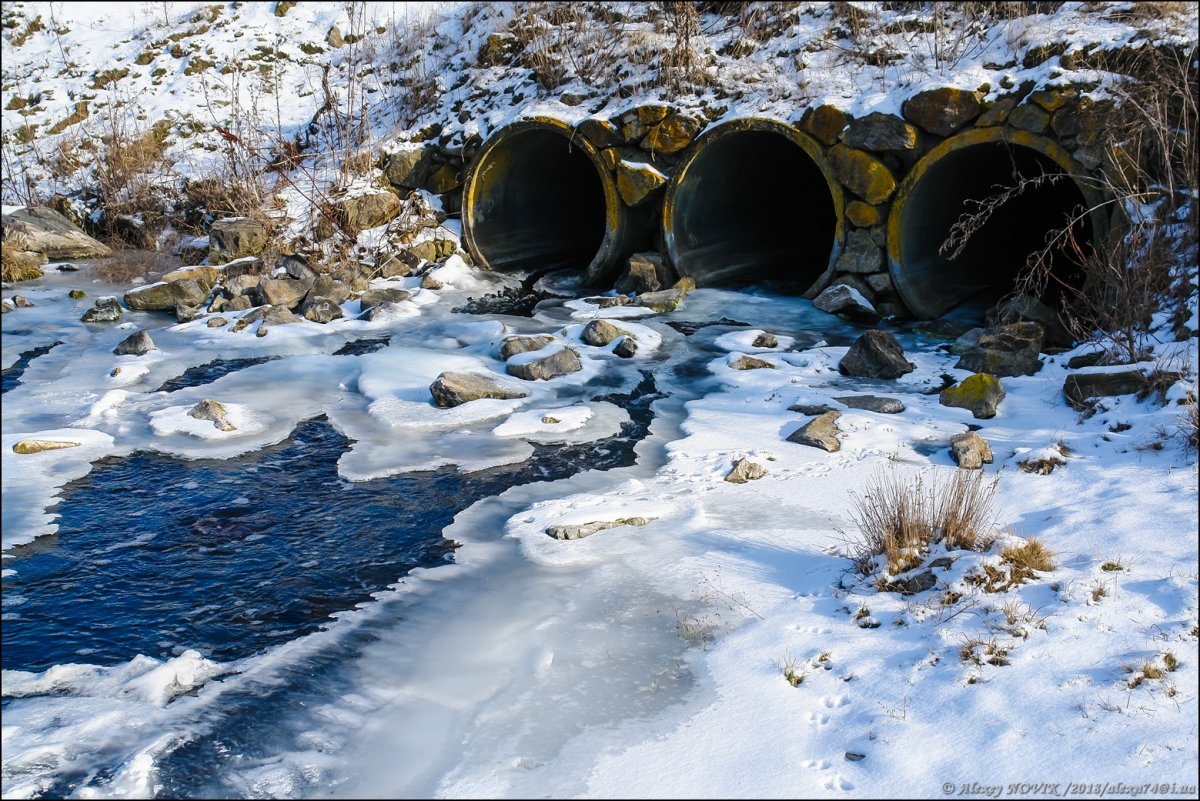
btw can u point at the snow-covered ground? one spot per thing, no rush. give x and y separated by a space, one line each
643 660
725 647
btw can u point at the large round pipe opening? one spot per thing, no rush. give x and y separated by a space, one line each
948 183
753 203
536 199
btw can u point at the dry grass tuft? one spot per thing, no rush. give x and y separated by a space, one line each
977 651
900 520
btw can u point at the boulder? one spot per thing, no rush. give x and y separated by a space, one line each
241 285
320 310
235 237
247 320
600 132
164 296
205 275
666 300
862 254
7 306
137 344
820 432
297 267
878 131
745 470
1029 117
273 316
981 394
863 215
454 389
826 123
646 273
561 362
944 110
1024 308
637 182
410 166
862 173
104 310
285 293
22 302
49 233
577 532
377 297
185 314
997 113
364 210
601 332
240 303
1007 350
872 403
243 265
673 134
876 354
846 302
1080 387
328 287
744 362
396 265
523 344
970 451
214 411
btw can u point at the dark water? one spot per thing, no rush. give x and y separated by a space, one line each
10 377
358 347
156 554
210 372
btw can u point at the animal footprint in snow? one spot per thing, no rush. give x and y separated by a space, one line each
834 701
838 783
818 718
817 764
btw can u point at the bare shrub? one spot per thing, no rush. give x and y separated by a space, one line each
899 520
125 266
1148 175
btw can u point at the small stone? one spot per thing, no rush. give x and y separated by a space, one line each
184 314
377 297
854 756
429 282
22 302
214 411
138 344
970 451
820 432
744 362
811 408
452 389
102 313
608 301
646 273
745 470
846 302
911 586
626 348
577 532
28 446
320 310
76 294
113 373
217 322
548 420
68 268
765 340
981 394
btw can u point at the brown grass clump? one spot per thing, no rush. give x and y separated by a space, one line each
1018 564
900 520
126 265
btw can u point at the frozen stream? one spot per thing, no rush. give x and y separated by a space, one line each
269 612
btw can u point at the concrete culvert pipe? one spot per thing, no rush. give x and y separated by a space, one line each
974 166
538 198
754 201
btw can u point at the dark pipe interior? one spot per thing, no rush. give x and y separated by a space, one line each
538 204
753 205
995 254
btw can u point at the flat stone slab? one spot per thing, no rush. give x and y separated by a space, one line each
872 403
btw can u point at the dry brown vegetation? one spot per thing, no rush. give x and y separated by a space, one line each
899 519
